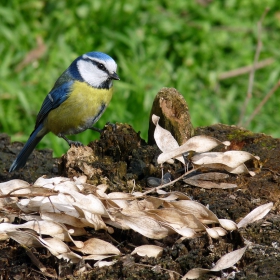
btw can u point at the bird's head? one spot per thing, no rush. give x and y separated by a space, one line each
95 68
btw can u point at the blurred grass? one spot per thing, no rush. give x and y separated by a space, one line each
181 44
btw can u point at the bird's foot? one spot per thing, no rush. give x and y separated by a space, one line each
71 142
75 143
113 125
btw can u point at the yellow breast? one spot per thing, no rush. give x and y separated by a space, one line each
80 110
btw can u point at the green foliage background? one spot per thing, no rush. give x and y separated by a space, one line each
161 43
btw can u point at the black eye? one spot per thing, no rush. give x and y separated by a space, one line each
101 66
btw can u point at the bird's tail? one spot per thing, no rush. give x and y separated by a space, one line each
27 149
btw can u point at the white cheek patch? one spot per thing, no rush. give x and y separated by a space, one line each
111 66
91 74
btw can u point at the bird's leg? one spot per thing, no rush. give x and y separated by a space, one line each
114 126
96 129
70 142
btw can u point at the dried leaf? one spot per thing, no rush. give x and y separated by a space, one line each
45 227
145 225
31 205
146 204
26 238
93 220
176 219
209 176
198 144
59 249
76 231
105 263
63 218
195 273
55 245
229 259
58 204
95 246
8 187
100 190
164 139
185 232
209 184
152 251
198 210
69 256
80 181
41 227
88 203
202 143
213 233
160 191
29 217
241 169
180 195
220 231
228 224
117 223
66 212
57 183
170 197
224 262
154 202
257 214
230 158
121 199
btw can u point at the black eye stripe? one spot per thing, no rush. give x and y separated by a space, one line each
98 64
101 66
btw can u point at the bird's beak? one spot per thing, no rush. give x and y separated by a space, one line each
114 76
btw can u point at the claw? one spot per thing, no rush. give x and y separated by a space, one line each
114 126
70 142
75 143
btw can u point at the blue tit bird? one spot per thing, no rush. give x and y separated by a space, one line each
77 100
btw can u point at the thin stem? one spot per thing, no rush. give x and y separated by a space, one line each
253 70
265 99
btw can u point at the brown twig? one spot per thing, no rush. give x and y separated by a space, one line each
253 70
37 263
33 55
169 183
265 99
46 193
245 69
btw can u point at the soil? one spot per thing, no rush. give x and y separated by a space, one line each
122 160
121 156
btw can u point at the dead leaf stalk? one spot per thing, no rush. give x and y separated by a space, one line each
253 70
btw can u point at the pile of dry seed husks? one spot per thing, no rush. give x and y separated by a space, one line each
57 210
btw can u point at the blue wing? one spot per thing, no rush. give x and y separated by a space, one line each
29 146
56 96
